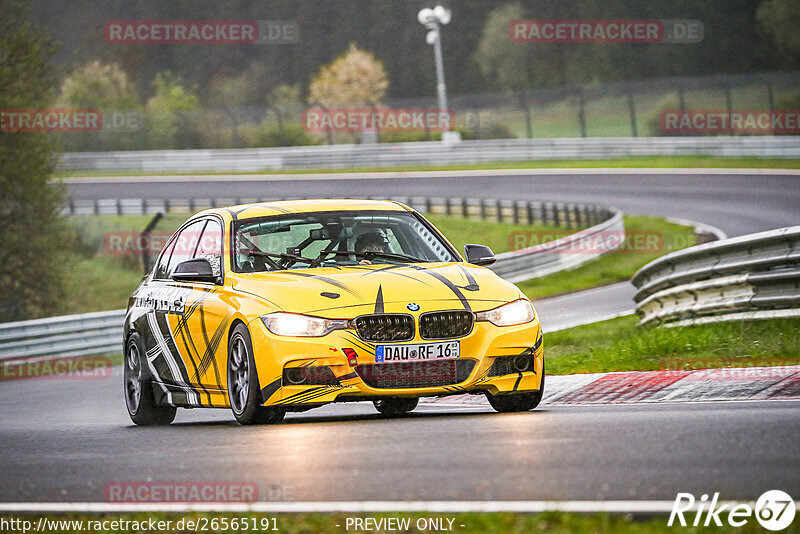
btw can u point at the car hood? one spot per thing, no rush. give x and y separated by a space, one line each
351 291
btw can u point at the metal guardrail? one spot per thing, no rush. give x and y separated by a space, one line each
561 214
95 333
518 266
427 153
750 276
65 336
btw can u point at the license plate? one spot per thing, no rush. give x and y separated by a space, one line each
447 350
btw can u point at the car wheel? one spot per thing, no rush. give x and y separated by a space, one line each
394 406
139 397
244 392
518 402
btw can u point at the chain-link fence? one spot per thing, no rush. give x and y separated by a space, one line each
625 109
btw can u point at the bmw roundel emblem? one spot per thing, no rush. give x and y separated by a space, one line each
413 306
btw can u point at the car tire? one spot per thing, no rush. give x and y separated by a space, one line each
139 396
394 406
244 392
517 402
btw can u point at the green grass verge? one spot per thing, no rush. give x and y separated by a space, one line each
99 281
677 162
620 345
616 266
495 235
483 523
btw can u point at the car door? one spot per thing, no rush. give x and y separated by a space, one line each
200 333
166 301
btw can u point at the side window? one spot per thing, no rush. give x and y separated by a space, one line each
185 245
163 261
210 246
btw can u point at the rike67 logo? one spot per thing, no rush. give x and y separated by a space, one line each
774 510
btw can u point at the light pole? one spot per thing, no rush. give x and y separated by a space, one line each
431 19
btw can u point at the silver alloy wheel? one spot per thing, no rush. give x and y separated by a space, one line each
133 378
240 371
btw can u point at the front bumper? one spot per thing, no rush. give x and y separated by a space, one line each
483 346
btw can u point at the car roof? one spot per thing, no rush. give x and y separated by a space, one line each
265 209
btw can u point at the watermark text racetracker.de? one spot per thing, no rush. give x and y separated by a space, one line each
192 492
774 510
715 122
201 32
48 368
587 242
379 119
618 31
732 368
62 120
127 243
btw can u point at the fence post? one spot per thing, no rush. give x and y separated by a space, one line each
234 128
728 99
632 112
144 236
581 113
770 97
523 103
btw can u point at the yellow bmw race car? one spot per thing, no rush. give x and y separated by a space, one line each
286 306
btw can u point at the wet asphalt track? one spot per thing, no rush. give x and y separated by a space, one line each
65 440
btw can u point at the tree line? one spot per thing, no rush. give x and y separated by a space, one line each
740 36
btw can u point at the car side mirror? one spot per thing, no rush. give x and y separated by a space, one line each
479 254
196 270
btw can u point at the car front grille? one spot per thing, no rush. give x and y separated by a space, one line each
385 327
423 374
446 324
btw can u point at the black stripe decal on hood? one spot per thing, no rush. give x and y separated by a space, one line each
379 300
325 279
390 268
450 285
473 284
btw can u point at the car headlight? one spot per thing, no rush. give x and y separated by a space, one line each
513 313
292 324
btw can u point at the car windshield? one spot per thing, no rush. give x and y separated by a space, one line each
335 239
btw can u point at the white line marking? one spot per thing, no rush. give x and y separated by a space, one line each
582 322
700 227
630 506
